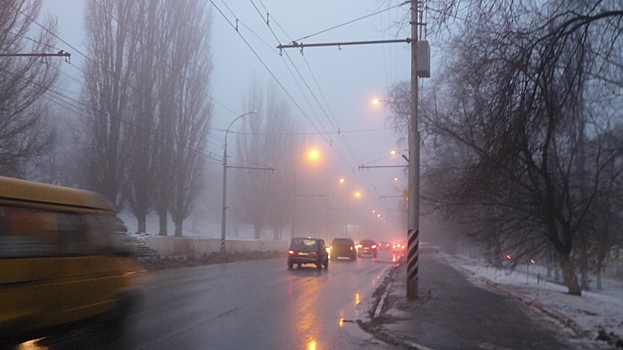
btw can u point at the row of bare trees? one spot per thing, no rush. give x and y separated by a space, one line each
267 140
141 136
523 129
145 125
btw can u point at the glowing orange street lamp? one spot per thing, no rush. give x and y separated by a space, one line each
357 194
313 154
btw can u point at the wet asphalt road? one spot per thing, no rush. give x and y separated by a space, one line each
247 305
264 305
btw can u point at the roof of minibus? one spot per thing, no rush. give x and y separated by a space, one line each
52 194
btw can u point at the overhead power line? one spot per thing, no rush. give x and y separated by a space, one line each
61 53
343 43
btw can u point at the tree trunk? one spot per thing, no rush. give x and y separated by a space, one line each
142 223
163 222
569 277
277 232
583 262
548 257
178 227
599 267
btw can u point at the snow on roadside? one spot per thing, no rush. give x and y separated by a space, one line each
591 312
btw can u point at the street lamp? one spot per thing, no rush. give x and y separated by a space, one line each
224 207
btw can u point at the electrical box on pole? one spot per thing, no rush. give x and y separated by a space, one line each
423 59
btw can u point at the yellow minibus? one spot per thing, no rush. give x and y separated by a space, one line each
59 263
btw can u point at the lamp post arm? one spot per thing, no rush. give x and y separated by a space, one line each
224 200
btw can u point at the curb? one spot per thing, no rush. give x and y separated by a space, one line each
383 335
379 306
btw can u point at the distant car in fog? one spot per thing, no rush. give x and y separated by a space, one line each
385 246
60 264
398 248
427 248
343 247
367 247
307 250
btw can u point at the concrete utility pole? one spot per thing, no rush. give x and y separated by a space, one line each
413 228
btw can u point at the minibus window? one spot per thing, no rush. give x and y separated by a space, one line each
27 232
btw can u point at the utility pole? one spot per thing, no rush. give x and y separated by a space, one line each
225 167
413 230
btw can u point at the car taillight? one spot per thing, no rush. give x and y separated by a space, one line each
291 252
316 254
373 246
351 248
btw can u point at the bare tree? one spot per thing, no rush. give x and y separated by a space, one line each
24 133
267 141
146 122
140 140
516 114
107 94
191 112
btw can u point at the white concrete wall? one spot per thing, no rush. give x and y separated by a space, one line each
166 245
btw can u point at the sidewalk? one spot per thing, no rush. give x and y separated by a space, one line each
457 311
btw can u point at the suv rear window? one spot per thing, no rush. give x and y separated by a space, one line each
301 242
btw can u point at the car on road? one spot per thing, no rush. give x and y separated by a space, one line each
399 248
307 250
385 246
343 247
367 247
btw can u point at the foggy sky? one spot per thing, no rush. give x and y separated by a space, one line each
348 77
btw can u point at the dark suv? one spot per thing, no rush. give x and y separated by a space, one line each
367 247
308 251
343 247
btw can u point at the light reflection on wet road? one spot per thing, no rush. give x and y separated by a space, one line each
248 305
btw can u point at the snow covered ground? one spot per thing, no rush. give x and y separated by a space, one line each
598 313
